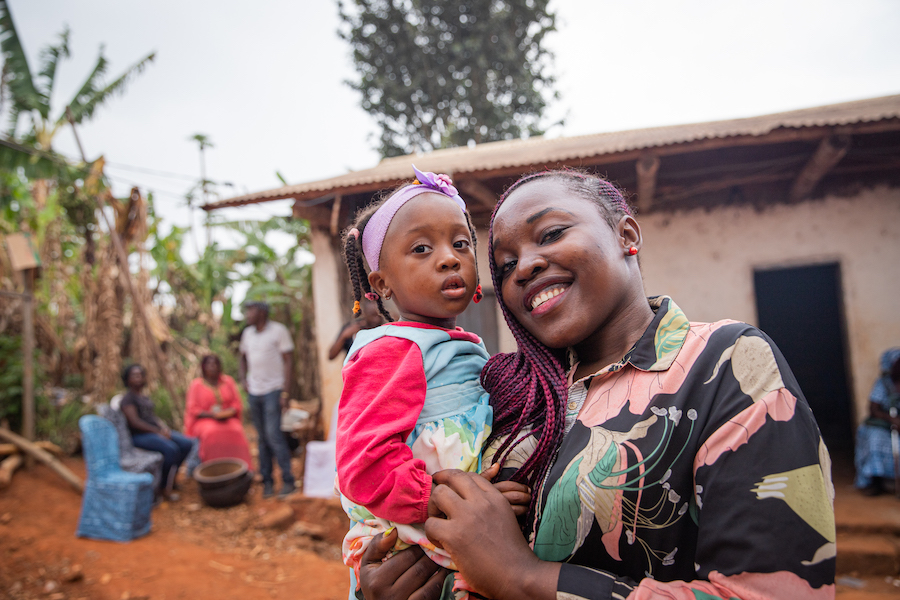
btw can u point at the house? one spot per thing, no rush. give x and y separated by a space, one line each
789 221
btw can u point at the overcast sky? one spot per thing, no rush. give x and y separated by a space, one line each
264 80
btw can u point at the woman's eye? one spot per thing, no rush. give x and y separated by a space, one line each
552 234
507 268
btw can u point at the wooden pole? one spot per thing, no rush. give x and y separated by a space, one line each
829 153
137 301
335 214
28 356
8 467
43 456
647 167
141 312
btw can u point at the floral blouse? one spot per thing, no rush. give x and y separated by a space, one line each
692 469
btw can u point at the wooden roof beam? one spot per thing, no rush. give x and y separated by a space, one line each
829 153
647 168
475 190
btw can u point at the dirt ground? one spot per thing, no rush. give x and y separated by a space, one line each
261 549
193 551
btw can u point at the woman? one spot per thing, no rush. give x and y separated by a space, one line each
150 432
874 457
213 414
668 459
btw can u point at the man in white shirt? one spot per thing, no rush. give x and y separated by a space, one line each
267 355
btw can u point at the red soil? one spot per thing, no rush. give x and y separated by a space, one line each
192 551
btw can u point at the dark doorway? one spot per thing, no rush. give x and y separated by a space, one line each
801 309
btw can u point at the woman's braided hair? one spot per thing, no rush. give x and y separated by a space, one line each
353 254
528 388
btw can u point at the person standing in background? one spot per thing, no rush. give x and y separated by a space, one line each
369 318
267 355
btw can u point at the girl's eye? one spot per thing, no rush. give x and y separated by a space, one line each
420 249
461 244
552 234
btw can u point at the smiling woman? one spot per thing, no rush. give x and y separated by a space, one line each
668 459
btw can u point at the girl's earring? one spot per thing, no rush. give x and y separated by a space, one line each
478 294
632 251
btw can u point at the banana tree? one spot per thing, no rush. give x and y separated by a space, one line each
30 95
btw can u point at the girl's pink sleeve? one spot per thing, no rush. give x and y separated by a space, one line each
384 390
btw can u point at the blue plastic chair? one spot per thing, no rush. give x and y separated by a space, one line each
116 504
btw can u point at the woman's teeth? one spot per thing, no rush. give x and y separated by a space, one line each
544 296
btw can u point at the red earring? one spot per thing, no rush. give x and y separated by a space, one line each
632 251
478 294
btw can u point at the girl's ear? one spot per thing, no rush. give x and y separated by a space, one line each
630 233
376 280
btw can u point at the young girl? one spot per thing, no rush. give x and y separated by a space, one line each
411 403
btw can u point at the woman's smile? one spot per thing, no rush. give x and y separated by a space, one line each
547 299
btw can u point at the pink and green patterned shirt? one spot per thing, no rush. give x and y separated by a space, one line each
692 469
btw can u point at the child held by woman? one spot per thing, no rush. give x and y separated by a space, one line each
412 403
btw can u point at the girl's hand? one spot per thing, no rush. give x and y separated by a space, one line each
517 494
482 536
409 574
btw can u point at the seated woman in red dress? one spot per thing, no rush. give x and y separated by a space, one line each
213 414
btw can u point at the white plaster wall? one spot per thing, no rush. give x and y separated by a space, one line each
705 261
330 316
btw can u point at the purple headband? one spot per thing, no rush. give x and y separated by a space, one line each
376 228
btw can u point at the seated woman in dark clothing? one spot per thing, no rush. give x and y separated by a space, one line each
150 432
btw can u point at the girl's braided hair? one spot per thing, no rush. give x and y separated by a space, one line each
353 254
528 388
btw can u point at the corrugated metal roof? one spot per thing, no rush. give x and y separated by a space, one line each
539 150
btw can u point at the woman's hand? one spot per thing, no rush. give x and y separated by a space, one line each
224 414
409 574
482 536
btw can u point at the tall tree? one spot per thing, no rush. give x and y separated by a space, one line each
443 73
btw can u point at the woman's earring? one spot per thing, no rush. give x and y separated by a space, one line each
632 251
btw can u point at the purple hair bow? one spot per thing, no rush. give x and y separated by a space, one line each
437 181
376 229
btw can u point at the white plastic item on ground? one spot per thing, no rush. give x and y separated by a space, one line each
319 471
293 418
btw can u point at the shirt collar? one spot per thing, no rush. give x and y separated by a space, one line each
659 345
